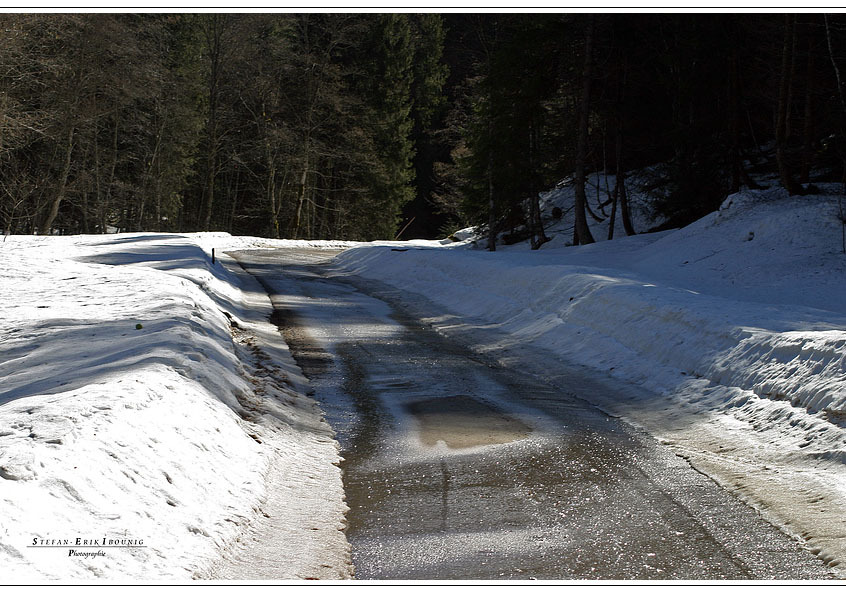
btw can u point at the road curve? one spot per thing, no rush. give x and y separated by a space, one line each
458 468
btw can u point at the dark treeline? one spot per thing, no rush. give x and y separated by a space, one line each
362 126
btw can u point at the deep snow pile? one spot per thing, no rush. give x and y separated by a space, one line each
730 335
144 399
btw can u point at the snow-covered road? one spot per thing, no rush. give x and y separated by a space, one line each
459 467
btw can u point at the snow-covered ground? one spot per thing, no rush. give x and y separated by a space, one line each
730 335
144 400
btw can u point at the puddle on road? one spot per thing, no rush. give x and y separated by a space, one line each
462 422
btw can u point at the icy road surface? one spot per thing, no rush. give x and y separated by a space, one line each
458 468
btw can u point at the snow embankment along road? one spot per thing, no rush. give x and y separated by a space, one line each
730 332
145 400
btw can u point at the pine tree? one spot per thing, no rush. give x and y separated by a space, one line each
428 111
389 89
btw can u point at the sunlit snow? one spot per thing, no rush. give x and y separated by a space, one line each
144 399
134 402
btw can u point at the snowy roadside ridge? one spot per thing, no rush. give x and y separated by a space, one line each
642 331
145 398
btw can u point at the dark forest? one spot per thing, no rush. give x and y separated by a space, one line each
367 126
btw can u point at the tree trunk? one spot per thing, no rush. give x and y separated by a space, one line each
620 192
214 29
734 105
782 112
808 132
491 205
535 227
158 202
233 182
539 237
271 195
624 206
148 176
536 222
301 198
582 231
271 184
618 166
843 118
491 200
85 196
208 197
60 191
613 218
108 198
98 190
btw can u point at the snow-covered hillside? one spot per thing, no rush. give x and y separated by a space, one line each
730 334
144 399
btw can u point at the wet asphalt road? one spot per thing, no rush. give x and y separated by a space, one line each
458 468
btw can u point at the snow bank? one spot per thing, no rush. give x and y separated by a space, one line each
751 296
729 331
143 402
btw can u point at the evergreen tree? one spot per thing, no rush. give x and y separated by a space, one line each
429 108
387 86
508 149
